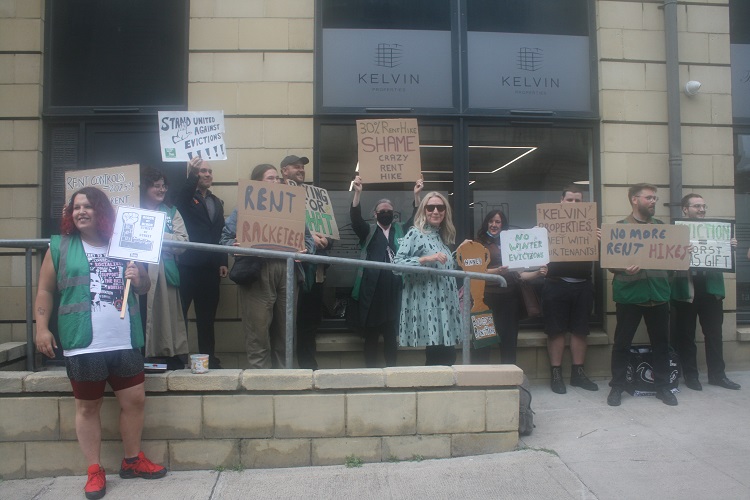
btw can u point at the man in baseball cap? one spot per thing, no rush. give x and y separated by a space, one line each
293 168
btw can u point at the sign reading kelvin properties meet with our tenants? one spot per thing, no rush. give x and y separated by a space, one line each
572 230
711 241
649 246
185 134
388 150
270 216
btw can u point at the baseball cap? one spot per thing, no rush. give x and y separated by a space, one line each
291 159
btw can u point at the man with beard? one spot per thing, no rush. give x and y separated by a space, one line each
641 293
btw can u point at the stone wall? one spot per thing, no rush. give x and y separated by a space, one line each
269 418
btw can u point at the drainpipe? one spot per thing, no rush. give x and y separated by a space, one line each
673 108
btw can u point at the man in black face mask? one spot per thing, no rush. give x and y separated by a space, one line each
378 293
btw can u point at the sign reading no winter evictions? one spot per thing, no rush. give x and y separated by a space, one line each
649 246
185 134
271 216
120 184
388 150
572 230
522 248
711 241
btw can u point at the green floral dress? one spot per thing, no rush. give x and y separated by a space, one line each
430 314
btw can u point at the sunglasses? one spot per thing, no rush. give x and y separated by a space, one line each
432 208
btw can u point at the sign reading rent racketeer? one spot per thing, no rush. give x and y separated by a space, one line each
572 230
649 246
120 184
271 216
711 243
185 134
388 150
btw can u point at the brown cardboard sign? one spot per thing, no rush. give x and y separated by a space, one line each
388 150
649 246
270 216
121 184
474 257
571 228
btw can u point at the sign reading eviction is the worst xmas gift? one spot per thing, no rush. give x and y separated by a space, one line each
572 230
711 241
649 246
120 184
388 150
185 134
271 216
522 248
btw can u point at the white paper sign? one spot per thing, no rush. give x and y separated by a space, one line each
522 248
185 134
711 243
138 235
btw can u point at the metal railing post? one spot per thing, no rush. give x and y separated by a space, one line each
30 358
290 303
466 320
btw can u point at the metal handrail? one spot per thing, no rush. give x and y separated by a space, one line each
274 254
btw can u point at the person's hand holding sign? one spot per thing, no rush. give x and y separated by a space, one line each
438 257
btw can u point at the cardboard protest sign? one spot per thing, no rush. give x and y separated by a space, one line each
711 241
571 228
649 246
522 248
474 257
388 150
121 184
138 235
319 212
185 134
271 216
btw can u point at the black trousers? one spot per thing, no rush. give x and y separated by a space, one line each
309 316
443 355
657 323
200 285
390 343
709 309
504 308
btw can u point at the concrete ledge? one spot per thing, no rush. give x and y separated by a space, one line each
419 376
277 380
12 382
355 378
54 381
743 334
156 382
488 375
214 380
12 351
463 445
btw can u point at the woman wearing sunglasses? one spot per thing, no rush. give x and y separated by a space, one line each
430 316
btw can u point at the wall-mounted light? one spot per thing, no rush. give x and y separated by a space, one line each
692 88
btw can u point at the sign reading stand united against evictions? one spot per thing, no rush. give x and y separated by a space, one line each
185 134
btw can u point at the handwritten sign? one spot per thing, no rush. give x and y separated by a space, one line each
572 230
319 212
138 235
271 216
711 243
389 150
474 257
522 248
185 134
649 246
121 184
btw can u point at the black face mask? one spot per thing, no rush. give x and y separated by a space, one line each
385 217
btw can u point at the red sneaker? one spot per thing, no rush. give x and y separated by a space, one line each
142 467
96 485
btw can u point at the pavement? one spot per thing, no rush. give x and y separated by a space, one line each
580 449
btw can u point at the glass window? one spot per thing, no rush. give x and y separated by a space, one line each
550 17
387 14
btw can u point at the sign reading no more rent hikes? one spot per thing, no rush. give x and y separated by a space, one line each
649 246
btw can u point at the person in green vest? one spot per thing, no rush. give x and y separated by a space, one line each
699 294
99 347
377 293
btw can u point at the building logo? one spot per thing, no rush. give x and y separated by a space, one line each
388 55
529 59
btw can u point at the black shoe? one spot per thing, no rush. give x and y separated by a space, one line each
725 383
556 383
578 378
693 383
666 396
615 397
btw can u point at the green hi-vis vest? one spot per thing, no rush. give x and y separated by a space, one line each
397 235
74 285
683 290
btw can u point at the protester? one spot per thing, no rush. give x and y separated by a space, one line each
201 271
263 302
310 303
99 347
567 300
430 315
161 309
377 293
504 302
641 294
699 294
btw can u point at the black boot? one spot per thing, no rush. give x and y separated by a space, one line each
556 383
578 378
